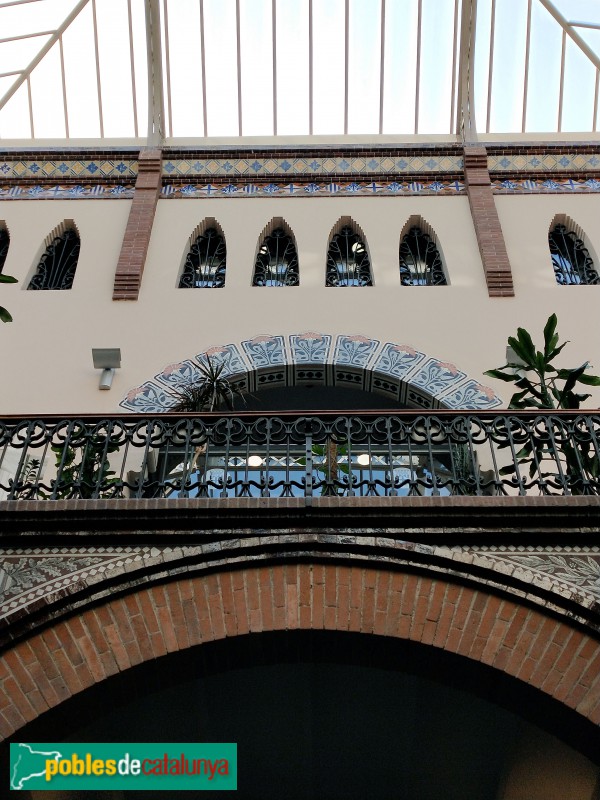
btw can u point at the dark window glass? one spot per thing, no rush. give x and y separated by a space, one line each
277 261
205 264
348 261
57 266
420 262
571 261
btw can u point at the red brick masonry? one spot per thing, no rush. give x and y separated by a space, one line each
490 238
524 642
132 258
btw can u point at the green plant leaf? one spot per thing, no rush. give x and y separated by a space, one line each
556 351
7 279
589 380
526 342
496 373
4 315
550 335
521 352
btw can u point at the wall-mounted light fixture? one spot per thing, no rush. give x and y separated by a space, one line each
108 359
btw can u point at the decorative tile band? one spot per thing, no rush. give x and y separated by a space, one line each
66 192
351 164
410 378
321 189
544 162
80 168
31 575
548 185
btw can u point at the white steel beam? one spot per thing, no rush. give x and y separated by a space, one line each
156 113
24 74
465 123
568 28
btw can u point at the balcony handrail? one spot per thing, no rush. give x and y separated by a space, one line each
300 454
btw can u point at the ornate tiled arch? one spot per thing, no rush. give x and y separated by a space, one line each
408 377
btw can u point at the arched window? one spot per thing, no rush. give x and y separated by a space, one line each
57 266
205 264
420 261
347 260
4 242
276 261
570 258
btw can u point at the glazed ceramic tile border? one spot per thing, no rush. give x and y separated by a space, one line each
31 575
399 371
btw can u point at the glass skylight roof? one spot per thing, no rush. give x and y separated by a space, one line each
73 69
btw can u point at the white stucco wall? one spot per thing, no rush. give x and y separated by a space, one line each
45 354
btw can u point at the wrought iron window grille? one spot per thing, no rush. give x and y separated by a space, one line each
277 261
571 260
205 264
348 261
57 266
4 243
420 261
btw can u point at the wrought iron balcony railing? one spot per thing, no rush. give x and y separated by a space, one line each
300 455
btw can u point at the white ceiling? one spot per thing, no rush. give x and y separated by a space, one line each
227 68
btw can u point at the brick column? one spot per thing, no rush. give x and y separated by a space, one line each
132 258
496 265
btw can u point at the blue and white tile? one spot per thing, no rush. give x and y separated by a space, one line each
184 372
148 399
265 351
471 395
355 350
310 348
398 360
226 354
436 377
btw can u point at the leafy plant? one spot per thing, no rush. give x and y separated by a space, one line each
4 315
543 386
541 389
83 470
208 393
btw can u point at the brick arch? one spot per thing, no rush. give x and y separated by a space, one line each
523 642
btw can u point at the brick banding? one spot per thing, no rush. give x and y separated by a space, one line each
130 267
547 653
489 234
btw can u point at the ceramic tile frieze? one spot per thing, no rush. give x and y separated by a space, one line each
41 168
66 192
266 351
398 371
471 395
295 164
28 575
31 575
310 348
543 162
547 186
317 188
398 360
229 355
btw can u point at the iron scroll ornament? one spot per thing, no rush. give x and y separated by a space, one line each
571 260
420 261
57 266
348 261
205 264
277 261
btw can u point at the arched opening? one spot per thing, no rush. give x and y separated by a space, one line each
341 715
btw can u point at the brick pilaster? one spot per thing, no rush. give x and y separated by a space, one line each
496 265
128 276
